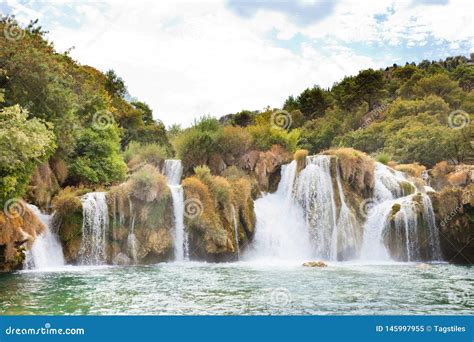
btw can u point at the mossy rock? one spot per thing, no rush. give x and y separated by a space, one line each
395 209
320 264
407 188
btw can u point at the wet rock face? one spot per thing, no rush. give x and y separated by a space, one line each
139 229
265 166
223 221
454 210
18 230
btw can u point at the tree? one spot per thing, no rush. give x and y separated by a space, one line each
369 87
24 144
96 158
440 85
114 84
243 118
147 113
464 74
290 104
421 142
313 102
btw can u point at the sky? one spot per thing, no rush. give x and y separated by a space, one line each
187 59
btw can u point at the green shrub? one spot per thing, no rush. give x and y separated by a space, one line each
383 158
137 154
147 184
96 157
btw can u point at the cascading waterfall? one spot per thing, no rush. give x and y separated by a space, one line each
236 232
314 191
131 239
395 220
281 231
308 216
346 242
46 251
173 171
94 229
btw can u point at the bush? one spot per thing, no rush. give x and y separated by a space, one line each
233 173
24 144
414 170
265 136
137 154
147 184
96 158
383 158
203 173
233 142
67 201
420 142
194 147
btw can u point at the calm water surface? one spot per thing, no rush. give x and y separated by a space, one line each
241 288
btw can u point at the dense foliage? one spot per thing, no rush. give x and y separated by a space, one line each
80 123
73 114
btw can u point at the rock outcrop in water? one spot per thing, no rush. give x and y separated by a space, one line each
19 227
210 204
265 166
454 209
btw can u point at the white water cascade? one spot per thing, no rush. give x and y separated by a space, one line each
94 229
334 233
394 218
173 170
309 217
236 232
281 231
131 239
46 251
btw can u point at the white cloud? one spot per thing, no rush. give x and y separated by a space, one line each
187 59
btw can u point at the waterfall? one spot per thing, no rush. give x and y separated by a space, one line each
314 191
395 220
308 216
131 239
94 229
281 232
346 242
46 251
173 171
236 232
